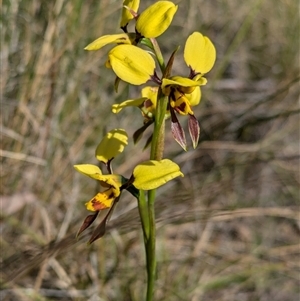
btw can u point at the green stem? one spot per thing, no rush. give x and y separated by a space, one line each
146 207
150 246
143 211
157 148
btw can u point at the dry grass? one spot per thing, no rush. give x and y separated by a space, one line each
228 230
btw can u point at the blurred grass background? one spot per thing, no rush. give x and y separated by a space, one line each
228 230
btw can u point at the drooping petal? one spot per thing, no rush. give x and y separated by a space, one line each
116 108
137 135
199 53
101 228
152 174
153 21
111 145
194 130
126 14
132 64
87 222
90 170
123 38
101 200
177 131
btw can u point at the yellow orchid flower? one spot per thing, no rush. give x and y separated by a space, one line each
131 64
111 145
177 88
154 21
105 199
112 182
146 103
147 175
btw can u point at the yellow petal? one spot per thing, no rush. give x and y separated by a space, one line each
199 53
122 38
183 84
152 174
153 21
126 15
89 170
116 108
149 106
183 81
111 145
112 181
100 201
195 97
150 93
131 64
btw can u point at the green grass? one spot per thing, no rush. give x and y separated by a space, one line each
228 230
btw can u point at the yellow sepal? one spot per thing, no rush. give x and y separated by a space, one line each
116 108
123 38
89 170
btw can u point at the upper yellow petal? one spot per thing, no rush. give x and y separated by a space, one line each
153 21
131 64
126 15
111 145
152 174
123 38
199 53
